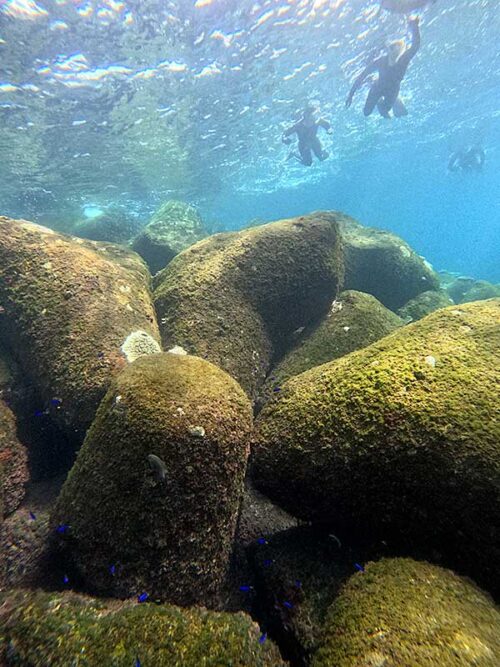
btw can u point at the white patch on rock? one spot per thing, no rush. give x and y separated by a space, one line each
177 349
430 360
139 344
406 252
197 431
346 329
336 306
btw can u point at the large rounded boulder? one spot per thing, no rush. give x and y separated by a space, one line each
237 298
354 321
112 225
67 307
404 437
13 460
62 629
152 501
174 227
382 264
424 304
401 612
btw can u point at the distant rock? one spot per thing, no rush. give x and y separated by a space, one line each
68 306
174 227
170 537
57 628
13 463
403 612
424 304
112 225
237 298
380 263
398 441
354 321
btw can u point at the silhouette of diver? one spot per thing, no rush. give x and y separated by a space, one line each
306 130
469 159
384 92
404 6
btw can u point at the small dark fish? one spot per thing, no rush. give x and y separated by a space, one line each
359 567
56 402
298 583
268 562
263 638
100 355
32 516
246 588
66 579
62 528
158 467
262 540
137 662
142 597
287 604
276 389
112 569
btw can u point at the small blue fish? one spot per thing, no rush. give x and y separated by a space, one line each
262 540
56 402
62 528
137 662
142 597
112 569
39 413
298 583
263 638
359 567
100 355
66 579
287 604
268 562
276 389
245 588
32 516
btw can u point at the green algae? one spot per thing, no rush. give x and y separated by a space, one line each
62 629
403 437
402 612
424 304
173 538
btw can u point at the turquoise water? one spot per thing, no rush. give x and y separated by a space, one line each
132 103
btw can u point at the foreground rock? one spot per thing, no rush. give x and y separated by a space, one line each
236 299
13 462
67 307
174 227
382 264
403 612
424 304
403 437
163 527
113 226
354 321
62 629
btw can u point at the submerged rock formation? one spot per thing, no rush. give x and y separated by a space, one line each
403 438
112 225
236 299
424 304
403 612
64 628
381 263
155 490
13 461
354 321
174 227
67 307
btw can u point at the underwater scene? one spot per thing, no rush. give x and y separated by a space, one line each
249 333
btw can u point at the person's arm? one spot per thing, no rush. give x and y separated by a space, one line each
372 67
322 122
287 133
415 38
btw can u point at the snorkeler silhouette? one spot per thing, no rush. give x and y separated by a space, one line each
384 92
469 159
306 130
404 6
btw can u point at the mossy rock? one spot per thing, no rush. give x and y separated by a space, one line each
402 612
68 306
403 436
113 226
354 321
237 298
170 538
481 290
62 629
14 461
380 263
424 304
174 227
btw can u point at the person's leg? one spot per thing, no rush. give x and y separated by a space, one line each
399 108
318 150
384 107
371 100
305 154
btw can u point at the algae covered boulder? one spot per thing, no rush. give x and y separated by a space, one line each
67 307
62 629
424 304
382 264
354 321
401 612
13 459
404 437
173 227
152 501
237 298
112 225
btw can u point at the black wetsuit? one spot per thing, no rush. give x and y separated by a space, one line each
471 159
308 140
385 90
